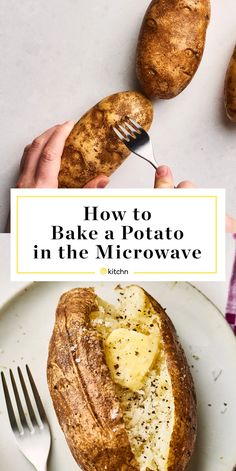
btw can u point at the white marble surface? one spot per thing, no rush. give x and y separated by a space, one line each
60 57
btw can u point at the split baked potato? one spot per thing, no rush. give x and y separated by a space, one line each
230 89
92 147
120 383
171 45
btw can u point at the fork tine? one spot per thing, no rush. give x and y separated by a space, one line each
132 130
38 401
18 401
10 410
138 127
136 139
121 137
27 398
125 131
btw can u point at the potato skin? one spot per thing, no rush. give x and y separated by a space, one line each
171 45
82 391
92 148
84 394
230 89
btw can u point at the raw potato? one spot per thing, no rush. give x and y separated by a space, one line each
230 89
109 427
171 45
92 148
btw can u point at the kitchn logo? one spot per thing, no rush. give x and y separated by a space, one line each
113 271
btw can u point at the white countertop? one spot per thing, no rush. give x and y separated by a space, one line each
60 58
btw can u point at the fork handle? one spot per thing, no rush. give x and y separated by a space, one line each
147 160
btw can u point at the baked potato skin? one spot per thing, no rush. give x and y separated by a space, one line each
92 148
171 45
185 425
230 89
82 391
84 394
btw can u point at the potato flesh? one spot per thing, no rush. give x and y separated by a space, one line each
149 419
149 412
129 356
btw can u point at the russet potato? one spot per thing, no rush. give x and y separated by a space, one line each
92 147
230 89
121 408
171 45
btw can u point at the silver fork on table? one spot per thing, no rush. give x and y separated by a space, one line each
31 430
136 139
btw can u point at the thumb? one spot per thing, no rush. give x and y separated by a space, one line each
230 225
101 181
163 177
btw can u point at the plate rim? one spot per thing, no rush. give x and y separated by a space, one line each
220 314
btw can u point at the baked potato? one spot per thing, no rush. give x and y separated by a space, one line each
120 383
92 147
171 45
230 89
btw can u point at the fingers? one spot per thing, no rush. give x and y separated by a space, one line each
230 225
164 177
22 162
50 159
186 184
32 153
98 182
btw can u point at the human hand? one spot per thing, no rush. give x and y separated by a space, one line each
164 179
41 160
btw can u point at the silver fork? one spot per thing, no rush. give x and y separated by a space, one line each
136 139
31 430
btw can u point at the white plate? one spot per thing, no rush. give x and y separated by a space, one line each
26 323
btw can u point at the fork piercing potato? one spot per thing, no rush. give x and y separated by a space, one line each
92 147
171 45
120 383
230 89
